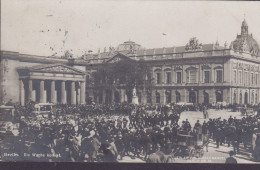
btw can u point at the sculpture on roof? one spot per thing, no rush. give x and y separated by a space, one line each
68 54
193 45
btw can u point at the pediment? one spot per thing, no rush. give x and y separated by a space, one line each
191 68
218 67
205 67
53 68
118 57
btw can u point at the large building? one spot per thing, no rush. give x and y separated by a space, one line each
194 73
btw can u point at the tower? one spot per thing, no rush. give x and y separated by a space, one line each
244 28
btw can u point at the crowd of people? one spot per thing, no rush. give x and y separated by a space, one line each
110 132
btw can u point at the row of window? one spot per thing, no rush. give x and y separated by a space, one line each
247 78
254 98
191 77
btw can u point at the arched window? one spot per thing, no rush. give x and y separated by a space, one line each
178 97
157 97
168 96
158 76
219 97
206 98
246 98
235 98
192 97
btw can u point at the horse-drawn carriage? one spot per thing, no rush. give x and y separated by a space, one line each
189 144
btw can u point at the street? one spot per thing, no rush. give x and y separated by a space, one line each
214 155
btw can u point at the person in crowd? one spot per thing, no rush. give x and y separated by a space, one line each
231 159
81 132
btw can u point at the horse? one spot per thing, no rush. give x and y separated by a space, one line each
160 157
205 140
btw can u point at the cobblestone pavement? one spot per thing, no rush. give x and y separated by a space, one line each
214 155
193 116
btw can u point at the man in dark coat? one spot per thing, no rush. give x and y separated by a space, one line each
108 151
231 159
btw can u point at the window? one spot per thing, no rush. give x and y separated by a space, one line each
158 78
178 97
178 77
219 76
191 76
168 96
168 77
247 78
235 76
252 78
206 76
240 77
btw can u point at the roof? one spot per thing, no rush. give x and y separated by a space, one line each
155 51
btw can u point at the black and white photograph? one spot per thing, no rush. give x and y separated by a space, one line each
130 82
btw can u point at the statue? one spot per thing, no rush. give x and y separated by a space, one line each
193 45
135 97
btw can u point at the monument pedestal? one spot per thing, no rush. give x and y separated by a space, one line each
135 100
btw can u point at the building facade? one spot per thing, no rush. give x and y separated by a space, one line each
194 73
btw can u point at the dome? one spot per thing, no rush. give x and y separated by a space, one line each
245 42
128 46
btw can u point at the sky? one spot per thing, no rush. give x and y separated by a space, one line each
51 27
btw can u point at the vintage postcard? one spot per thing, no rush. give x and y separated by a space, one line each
131 81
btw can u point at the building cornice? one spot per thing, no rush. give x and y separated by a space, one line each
149 59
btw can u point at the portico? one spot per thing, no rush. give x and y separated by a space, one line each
54 83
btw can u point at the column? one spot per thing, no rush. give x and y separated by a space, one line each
73 93
22 92
153 96
78 96
173 96
82 92
226 95
184 95
162 97
42 91
144 97
63 93
200 96
104 96
53 92
112 96
122 97
212 96
30 89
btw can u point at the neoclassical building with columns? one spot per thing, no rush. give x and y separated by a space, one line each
193 73
41 79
